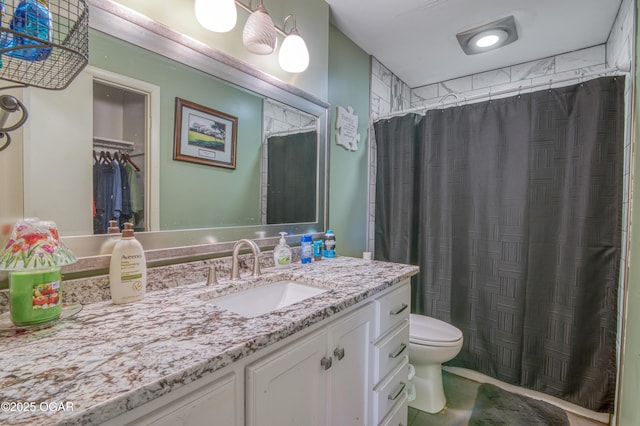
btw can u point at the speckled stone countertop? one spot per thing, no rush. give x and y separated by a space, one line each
113 358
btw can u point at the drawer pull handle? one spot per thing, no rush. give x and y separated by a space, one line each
326 362
395 395
397 353
339 353
399 310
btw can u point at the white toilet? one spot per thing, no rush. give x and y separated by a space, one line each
431 343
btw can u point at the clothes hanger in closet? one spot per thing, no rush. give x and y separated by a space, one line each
127 158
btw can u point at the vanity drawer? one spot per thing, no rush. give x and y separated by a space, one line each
399 413
390 391
392 309
389 351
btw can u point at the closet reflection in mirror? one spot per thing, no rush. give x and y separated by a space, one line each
67 126
119 139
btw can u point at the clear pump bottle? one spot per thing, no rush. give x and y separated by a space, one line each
282 253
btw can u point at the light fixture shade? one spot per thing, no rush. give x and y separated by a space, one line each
259 34
293 56
217 15
34 244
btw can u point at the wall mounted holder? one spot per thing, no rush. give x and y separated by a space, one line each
43 44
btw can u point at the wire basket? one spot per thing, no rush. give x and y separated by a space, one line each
44 43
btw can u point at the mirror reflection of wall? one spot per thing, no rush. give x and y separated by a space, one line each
212 196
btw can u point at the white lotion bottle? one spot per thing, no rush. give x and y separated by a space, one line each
282 253
108 245
128 269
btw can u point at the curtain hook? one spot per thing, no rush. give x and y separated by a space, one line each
489 94
550 81
519 91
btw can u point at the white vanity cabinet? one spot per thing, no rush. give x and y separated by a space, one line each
348 370
351 372
320 379
391 356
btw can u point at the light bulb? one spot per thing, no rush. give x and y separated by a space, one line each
217 15
488 40
293 55
259 34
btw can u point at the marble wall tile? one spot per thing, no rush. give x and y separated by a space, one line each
393 93
491 78
382 73
620 40
381 89
579 59
423 93
556 78
457 85
533 69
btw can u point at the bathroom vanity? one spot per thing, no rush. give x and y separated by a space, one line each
338 357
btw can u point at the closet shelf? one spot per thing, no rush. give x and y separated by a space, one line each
113 143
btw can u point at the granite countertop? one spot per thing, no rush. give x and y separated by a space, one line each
113 358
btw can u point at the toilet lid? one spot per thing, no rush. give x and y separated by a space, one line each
426 330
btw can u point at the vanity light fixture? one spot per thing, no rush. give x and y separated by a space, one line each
259 34
293 56
219 16
488 37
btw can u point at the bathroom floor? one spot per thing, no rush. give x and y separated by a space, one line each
461 395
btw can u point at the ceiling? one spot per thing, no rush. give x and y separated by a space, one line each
416 39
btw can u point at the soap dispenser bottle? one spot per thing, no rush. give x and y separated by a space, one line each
114 231
128 269
282 253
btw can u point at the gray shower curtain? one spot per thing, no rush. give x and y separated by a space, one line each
291 177
512 208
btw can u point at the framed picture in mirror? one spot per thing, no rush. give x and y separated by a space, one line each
204 135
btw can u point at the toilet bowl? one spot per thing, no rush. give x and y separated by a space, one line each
431 343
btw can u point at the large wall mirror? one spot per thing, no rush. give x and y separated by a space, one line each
143 67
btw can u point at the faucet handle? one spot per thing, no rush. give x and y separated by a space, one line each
212 279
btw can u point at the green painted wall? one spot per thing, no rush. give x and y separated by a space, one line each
194 195
629 409
349 71
312 20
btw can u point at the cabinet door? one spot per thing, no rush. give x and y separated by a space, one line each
205 401
348 386
288 388
213 405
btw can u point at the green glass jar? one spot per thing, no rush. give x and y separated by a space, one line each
35 297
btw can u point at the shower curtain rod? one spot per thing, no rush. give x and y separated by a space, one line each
290 131
489 95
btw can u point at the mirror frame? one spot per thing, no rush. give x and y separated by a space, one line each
120 22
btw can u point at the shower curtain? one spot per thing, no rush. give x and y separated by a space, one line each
512 208
291 177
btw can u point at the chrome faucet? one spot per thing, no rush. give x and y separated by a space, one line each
235 274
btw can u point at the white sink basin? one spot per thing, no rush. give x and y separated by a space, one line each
261 300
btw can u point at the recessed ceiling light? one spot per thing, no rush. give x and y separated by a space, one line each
488 37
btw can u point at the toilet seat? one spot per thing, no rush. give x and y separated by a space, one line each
428 331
